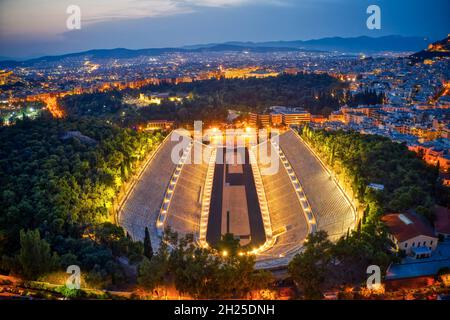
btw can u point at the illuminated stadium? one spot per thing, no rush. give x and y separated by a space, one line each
231 191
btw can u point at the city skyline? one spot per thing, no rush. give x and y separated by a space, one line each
25 32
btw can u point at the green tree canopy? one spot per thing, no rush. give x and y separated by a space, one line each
35 257
309 268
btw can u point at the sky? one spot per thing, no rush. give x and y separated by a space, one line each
31 28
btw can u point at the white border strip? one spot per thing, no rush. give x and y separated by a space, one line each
206 198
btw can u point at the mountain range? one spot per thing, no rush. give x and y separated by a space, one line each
348 45
353 45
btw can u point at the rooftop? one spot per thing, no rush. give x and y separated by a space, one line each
406 226
411 268
294 112
442 222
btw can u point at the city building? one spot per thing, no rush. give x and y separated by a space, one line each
291 71
157 125
442 222
276 119
253 119
259 119
4 76
318 119
435 153
337 116
264 119
410 234
291 115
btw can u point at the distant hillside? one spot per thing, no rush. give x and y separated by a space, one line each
348 45
345 45
437 49
121 53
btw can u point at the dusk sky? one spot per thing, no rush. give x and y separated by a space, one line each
30 28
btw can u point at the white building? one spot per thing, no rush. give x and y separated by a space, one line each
410 234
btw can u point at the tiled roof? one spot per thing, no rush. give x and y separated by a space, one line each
442 223
406 226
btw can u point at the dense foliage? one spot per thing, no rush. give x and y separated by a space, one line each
35 257
202 273
62 177
210 99
301 90
309 269
324 265
367 97
93 104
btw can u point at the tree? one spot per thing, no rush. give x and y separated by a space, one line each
66 186
111 236
35 257
308 269
202 273
228 244
152 273
148 250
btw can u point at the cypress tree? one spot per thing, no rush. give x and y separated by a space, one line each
359 228
148 250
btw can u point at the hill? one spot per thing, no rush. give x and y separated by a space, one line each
122 53
438 49
346 45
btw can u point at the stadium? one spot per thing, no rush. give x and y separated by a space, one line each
229 191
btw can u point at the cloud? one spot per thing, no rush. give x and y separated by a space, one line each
229 3
101 10
135 9
214 3
130 9
21 17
